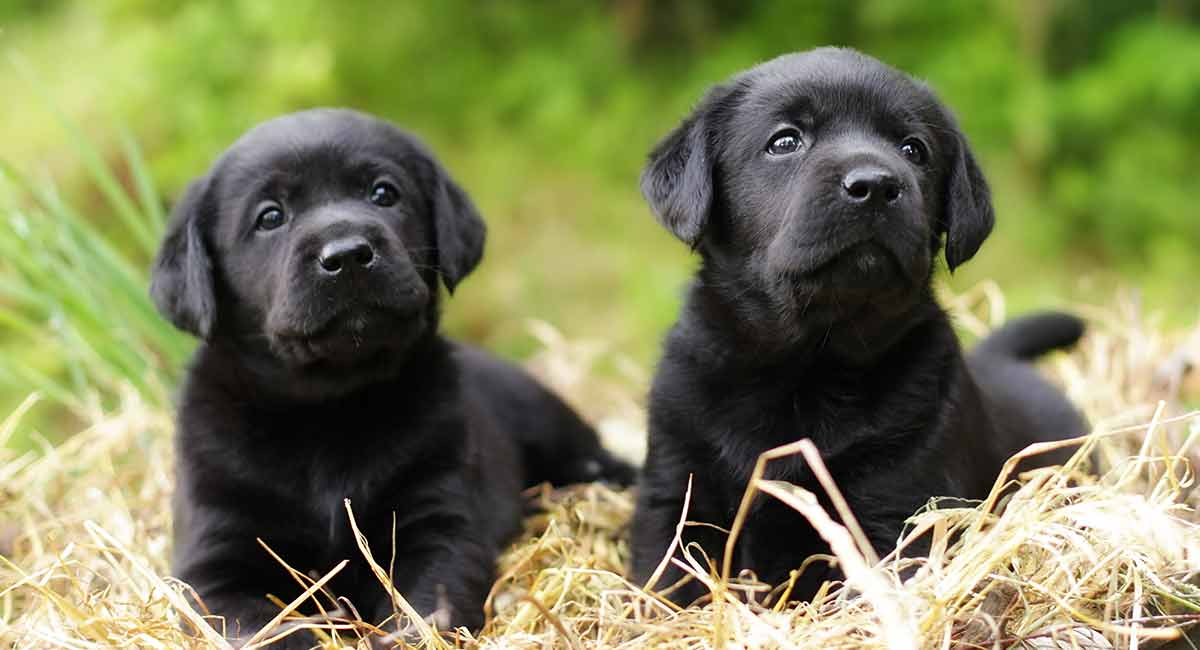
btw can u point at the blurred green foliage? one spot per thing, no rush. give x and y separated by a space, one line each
1085 115
70 291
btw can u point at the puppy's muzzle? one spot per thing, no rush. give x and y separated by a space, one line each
347 267
341 248
871 185
352 254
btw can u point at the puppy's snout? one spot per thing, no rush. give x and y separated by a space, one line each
346 252
870 184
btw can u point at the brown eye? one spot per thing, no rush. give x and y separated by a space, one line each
384 194
914 150
785 142
270 218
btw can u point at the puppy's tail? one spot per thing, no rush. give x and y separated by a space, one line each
1028 337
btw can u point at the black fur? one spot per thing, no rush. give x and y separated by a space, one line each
812 315
318 380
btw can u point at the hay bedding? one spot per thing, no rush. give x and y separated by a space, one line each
1071 562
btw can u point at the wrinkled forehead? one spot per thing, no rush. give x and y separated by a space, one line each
290 156
822 87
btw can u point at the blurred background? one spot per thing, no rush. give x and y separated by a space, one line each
1086 117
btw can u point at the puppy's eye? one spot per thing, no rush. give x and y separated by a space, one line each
785 142
914 150
270 218
384 194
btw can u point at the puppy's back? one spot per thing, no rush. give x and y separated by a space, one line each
556 445
1022 403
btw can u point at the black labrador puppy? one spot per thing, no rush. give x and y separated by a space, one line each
818 188
308 262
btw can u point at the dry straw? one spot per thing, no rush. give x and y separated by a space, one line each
1064 560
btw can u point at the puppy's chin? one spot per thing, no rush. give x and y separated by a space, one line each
863 273
864 292
337 361
345 327
348 339
351 345
341 351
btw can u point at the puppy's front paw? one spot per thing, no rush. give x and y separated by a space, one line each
410 634
604 468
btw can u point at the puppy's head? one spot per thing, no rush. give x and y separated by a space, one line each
315 243
822 183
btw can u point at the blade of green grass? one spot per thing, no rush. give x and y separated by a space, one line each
77 318
148 196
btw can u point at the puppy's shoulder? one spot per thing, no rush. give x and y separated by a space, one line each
695 360
502 384
476 364
207 399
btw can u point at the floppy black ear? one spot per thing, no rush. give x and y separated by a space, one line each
677 182
459 229
181 280
968 216
678 179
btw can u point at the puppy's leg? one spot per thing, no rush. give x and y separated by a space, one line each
245 614
444 548
660 506
654 526
568 451
445 578
218 554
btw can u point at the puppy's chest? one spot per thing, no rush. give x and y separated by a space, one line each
743 425
329 460
788 413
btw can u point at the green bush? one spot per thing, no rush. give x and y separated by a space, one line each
80 323
1083 113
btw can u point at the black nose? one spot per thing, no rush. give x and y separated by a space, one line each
871 184
347 251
